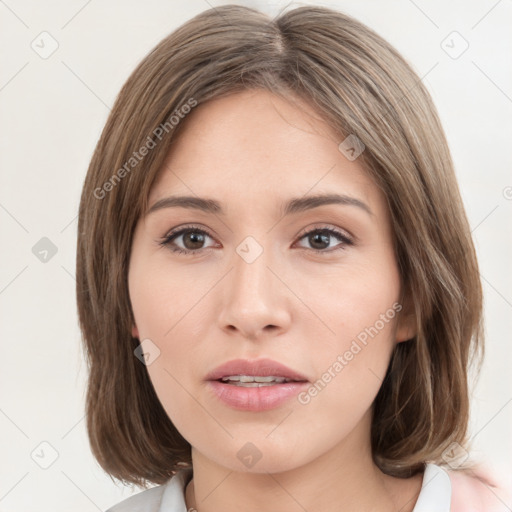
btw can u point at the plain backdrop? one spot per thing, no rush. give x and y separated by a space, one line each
53 108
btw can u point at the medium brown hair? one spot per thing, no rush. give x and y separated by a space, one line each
361 86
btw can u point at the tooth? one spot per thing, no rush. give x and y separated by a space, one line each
252 384
251 378
269 379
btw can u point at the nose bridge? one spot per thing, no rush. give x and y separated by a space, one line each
251 278
254 296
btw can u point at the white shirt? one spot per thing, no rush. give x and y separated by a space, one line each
435 494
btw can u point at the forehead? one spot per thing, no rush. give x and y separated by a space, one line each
255 146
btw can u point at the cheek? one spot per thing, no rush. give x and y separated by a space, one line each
173 389
167 307
163 300
348 380
359 356
358 303
351 360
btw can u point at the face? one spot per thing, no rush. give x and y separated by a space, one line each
314 287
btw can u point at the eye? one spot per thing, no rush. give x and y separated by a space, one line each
320 239
193 239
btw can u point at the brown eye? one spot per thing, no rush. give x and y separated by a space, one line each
320 238
192 240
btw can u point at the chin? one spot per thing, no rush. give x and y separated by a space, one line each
259 457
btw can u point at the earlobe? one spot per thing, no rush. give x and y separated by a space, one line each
406 329
406 326
135 332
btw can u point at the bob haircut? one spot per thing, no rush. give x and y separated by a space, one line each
360 85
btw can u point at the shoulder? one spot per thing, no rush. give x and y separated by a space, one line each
479 491
168 497
146 501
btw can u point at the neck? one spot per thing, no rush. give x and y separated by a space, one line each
345 477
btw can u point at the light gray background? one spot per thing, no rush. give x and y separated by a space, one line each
53 111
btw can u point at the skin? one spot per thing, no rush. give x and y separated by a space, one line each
251 151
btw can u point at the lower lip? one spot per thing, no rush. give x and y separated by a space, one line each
256 398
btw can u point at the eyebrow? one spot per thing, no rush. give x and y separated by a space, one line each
292 206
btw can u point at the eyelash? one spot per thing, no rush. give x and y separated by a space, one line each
168 239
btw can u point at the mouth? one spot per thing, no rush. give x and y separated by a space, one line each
257 385
256 381
259 371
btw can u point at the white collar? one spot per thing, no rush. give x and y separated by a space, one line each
436 491
435 494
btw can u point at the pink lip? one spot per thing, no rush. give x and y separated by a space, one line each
262 367
255 398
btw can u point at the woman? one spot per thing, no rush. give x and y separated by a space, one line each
277 287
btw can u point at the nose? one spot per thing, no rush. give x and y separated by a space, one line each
256 301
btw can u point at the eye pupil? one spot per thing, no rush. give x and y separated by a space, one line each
196 239
319 237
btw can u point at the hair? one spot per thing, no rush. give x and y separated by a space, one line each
360 85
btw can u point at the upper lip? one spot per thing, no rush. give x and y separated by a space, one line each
259 367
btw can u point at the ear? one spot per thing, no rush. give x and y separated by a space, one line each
406 327
135 331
